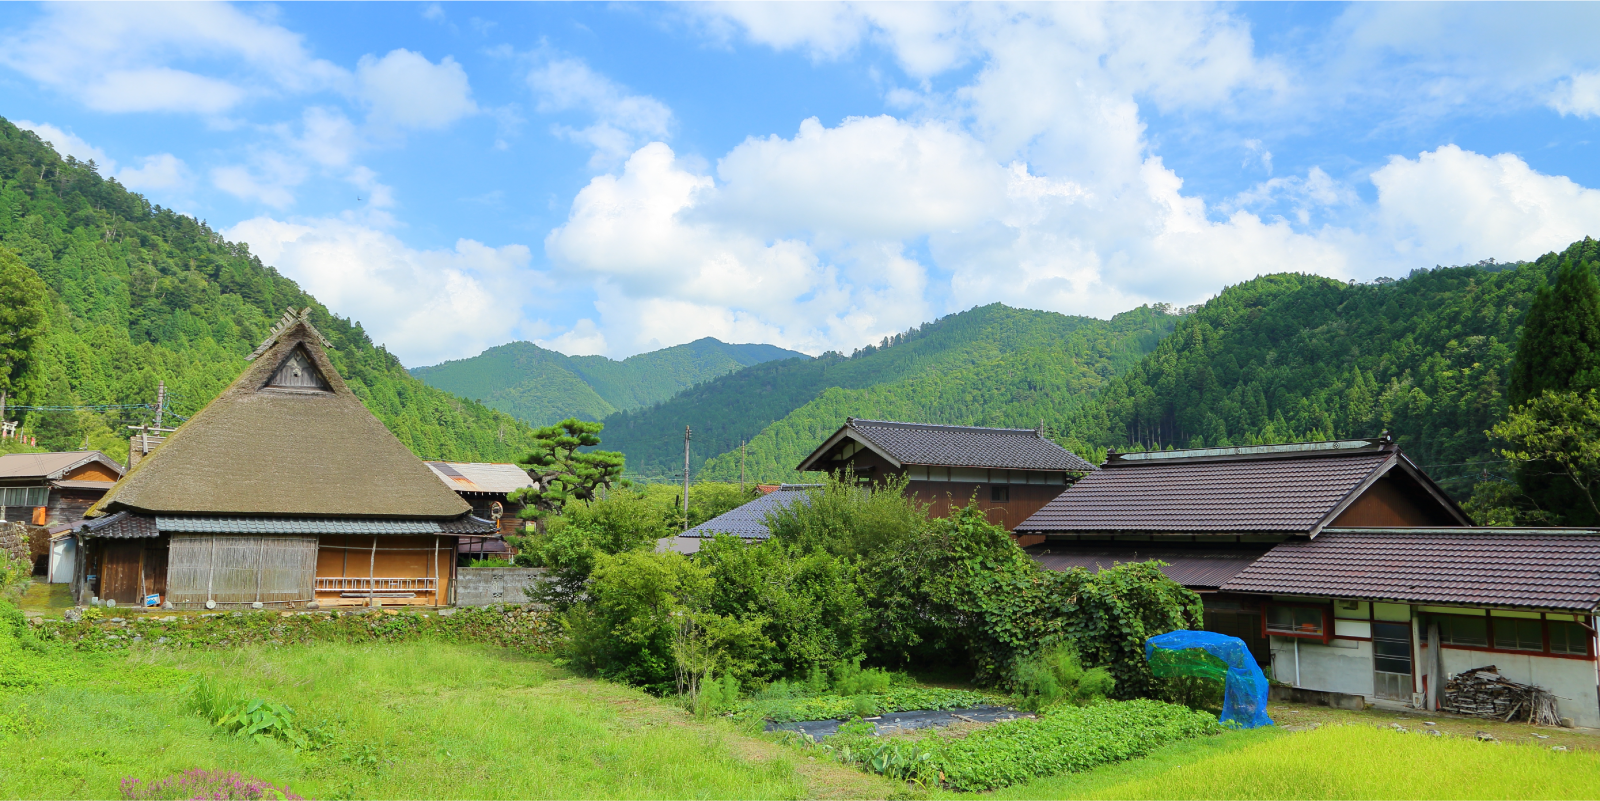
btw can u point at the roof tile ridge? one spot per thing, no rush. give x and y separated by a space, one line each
855 421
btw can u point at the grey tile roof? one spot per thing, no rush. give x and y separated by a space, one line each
1543 569
1289 495
122 526
967 446
1194 568
749 521
270 525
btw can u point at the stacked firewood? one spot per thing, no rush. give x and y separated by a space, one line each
1483 692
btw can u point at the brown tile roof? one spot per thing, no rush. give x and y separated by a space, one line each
955 446
1293 489
260 450
1193 568
1544 569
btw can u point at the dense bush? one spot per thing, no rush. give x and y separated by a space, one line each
1056 676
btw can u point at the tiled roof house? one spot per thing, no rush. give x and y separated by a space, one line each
1010 472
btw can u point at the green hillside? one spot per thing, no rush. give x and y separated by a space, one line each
990 365
1294 357
541 386
135 294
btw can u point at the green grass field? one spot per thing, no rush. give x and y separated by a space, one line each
433 720
412 721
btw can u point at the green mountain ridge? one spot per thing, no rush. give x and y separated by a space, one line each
139 294
1280 358
1036 360
540 386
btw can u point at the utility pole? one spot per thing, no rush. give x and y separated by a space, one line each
161 400
741 468
685 478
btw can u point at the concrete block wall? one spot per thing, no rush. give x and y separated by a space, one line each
486 586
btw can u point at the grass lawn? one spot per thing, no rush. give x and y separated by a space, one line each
422 720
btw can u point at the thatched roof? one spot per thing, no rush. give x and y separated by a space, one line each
286 438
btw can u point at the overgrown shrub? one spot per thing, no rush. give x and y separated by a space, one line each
1055 676
810 605
848 519
15 575
489 562
256 719
850 679
207 784
624 521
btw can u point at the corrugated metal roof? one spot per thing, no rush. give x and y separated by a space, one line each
84 485
270 525
494 477
1551 569
749 521
50 465
1193 568
1290 495
956 446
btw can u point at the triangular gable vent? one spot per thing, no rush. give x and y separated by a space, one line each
298 372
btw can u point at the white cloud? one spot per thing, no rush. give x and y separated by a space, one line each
69 144
583 339
162 171
1579 96
183 57
426 306
272 181
1454 206
622 120
405 90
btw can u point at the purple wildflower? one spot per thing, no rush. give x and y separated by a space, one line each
200 785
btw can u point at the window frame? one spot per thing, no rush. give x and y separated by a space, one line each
1544 634
997 490
1325 636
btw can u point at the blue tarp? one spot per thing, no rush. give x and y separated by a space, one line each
1244 700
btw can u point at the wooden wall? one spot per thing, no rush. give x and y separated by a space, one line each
395 557
66 505
945 496
1389 502
93 471
131 569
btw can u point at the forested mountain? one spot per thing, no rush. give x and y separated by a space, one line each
1294 357
1280 358
991 365
133 294
540 386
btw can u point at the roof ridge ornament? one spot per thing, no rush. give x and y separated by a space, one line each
284 323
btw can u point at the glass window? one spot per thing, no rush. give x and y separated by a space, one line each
1391 648
1568 638
24 496
1000 493
1518 634
1295 619
1472 631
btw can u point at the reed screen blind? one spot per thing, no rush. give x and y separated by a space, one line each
234 569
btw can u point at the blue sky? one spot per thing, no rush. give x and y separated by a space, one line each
614 178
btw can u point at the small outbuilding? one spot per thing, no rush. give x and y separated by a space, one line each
487 486
51 492
283 491
1393 614
1011 472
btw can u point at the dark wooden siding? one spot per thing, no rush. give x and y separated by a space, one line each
121 565
1389 503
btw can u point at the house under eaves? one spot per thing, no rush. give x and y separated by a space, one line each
1209 513
283 491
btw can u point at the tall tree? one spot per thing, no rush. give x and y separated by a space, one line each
1557 362
22 317
1560 346
561 472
